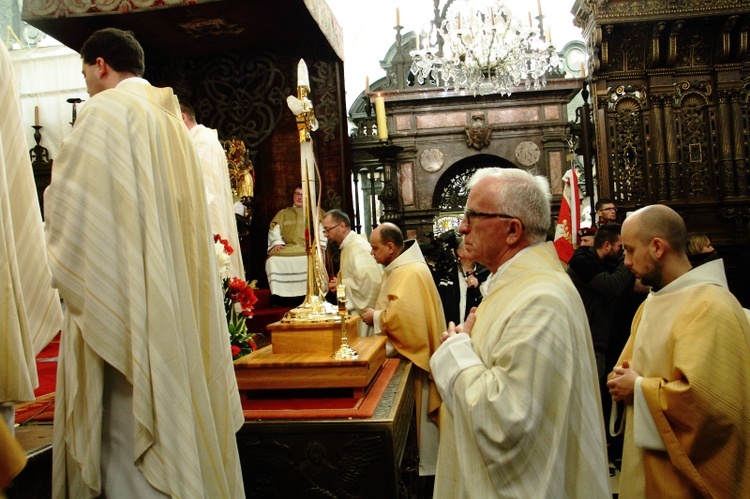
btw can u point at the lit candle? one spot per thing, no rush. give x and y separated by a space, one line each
539 6
367 84
36 115
398 17
380 118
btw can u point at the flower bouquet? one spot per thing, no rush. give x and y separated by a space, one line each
239 299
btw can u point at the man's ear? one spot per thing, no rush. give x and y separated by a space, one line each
515 231
102 68
657 247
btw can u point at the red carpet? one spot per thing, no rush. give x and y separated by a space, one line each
43 408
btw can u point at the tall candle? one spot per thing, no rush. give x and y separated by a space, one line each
539 6
303 80
398 17
583 70
549 35
36 115
531 24
380 118
367 84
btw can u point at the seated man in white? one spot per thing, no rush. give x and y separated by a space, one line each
286 265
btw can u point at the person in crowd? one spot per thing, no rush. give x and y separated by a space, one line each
30 315
359 272
586 236
409 312
213 161
521 414
459 288
606 212
146 402
683 374
699 249
286 265
602 279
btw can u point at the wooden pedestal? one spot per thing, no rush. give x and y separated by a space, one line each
301 357
322 338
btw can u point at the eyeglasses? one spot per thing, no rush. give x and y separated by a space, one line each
329 229
611 208
469 214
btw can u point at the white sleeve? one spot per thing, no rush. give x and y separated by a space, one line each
453 356
645 433
274 238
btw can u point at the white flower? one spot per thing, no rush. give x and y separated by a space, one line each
237 307
222 260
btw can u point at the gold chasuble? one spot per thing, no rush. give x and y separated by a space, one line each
30 311
132 254
690 342
289 226
409 312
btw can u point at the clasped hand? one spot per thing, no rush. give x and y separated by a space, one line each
622 384
453 330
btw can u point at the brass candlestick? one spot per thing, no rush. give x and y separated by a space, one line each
345 352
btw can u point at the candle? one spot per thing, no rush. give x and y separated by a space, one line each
583 70
303 80
539 6
531 23
398 17
380 118
549 35
36 115
459 20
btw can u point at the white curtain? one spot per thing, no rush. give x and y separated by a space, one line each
46 77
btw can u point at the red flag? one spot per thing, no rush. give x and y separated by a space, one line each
568 222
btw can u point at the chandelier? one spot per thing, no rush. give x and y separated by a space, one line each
485 50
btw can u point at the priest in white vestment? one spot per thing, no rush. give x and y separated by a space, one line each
213 161
521 414
30 311
147 402
684 374
359 272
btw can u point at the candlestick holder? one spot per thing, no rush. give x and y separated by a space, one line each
345 352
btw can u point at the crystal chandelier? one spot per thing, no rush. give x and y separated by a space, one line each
485 50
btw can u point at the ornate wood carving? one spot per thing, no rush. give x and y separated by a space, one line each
627 162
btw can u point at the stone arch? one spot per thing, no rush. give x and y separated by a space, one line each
450 190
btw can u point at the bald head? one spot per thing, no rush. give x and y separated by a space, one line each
386 243
662 222
654 240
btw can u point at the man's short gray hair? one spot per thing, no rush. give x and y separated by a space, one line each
522 195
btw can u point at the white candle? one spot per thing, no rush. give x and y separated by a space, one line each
302 79
367 84
583 70
398 17
531 24
549 35
539 6
36 115
380 118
